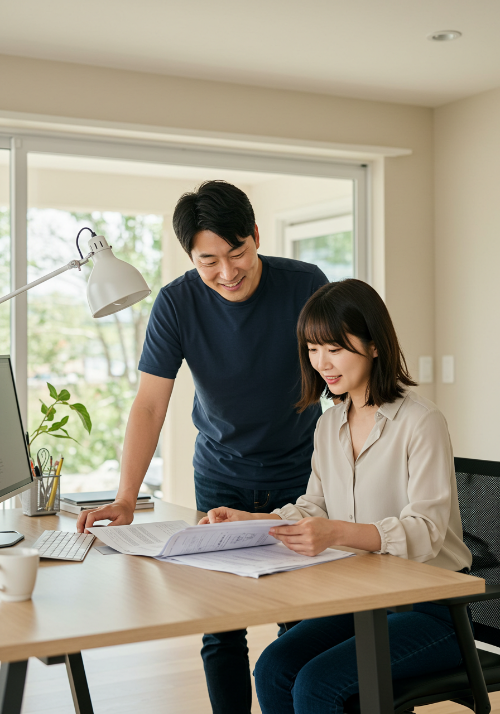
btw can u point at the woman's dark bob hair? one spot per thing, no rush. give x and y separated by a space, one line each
351 307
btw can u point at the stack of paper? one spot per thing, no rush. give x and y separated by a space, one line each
254 562
240 547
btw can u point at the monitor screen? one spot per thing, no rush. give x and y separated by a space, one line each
15 471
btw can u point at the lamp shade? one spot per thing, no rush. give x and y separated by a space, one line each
113 284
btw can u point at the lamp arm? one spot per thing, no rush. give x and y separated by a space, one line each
72 264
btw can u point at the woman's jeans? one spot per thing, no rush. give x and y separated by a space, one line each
311 669
225 654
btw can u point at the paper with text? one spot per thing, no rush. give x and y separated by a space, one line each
140 538
254 562
169 538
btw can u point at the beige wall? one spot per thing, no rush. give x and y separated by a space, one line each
405 256
467 270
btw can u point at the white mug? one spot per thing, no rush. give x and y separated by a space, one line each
18 569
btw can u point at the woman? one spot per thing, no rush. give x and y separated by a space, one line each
382 480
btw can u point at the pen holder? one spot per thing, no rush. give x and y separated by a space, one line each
40 499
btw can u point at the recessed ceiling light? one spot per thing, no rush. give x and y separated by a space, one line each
444 35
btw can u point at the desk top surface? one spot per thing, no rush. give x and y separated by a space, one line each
117 599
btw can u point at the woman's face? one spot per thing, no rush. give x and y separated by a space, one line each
343 371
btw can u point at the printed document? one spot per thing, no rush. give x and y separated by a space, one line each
240 547
254 562
169 538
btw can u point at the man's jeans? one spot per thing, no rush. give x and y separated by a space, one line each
225 654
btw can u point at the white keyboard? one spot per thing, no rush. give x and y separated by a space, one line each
64 545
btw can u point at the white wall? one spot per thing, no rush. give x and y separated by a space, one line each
467 139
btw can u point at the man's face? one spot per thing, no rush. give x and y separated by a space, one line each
232 272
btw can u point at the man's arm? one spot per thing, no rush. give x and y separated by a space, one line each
141 438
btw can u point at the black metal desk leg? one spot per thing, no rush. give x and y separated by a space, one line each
374 662
78 683
12 679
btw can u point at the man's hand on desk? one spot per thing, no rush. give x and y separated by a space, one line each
224 515
120 513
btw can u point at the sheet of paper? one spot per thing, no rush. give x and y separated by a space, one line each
257 561
139 539
222 536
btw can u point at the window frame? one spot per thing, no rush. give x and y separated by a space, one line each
21 145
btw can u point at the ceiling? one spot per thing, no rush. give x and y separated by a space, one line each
372 49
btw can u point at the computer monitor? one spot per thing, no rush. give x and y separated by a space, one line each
15 469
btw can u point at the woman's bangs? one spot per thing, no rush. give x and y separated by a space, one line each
323 327
319 332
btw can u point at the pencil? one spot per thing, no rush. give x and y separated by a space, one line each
55 481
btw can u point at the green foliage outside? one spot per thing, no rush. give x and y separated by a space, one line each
334 249
64 339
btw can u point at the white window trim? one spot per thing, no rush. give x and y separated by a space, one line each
312 228
21 144
291 225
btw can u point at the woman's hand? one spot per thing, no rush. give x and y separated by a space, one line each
310 536
225 515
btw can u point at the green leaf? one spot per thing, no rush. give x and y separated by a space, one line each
60 436
68 436
58 424
50 414
44 408
52 390
43 428
83 414
63 395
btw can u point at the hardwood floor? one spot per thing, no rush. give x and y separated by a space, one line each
163 677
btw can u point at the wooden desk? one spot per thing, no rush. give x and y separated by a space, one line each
118 599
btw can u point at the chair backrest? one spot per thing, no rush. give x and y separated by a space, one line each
478 484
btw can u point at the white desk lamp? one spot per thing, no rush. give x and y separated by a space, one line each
113 284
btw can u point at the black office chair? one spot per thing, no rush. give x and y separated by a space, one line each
479 497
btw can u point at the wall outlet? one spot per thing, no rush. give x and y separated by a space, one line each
425 370
448 369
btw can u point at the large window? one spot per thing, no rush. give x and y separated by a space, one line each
95 360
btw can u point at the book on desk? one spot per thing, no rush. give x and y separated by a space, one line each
78 502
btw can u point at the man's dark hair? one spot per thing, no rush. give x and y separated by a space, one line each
351 307
216 206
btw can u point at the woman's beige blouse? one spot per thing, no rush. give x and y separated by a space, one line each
403 481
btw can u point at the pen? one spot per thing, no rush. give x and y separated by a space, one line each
39 477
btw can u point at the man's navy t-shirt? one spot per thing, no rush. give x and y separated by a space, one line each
244 360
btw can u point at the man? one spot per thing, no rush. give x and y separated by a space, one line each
233 320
